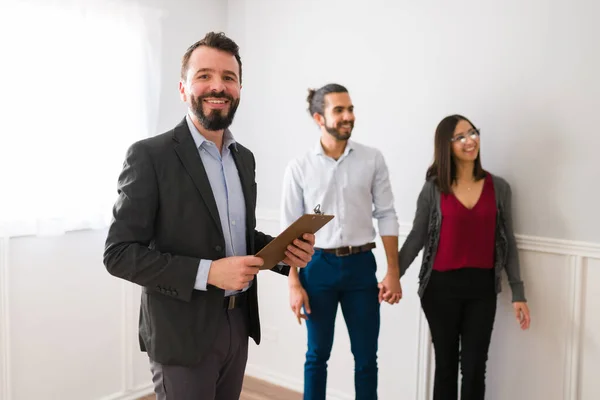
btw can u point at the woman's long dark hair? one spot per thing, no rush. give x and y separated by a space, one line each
443 168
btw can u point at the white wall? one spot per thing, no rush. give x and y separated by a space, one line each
68 330
526 73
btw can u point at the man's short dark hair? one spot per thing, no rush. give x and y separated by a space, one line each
316 97
216 41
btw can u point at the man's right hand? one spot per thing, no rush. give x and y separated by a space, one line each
299 298
234 273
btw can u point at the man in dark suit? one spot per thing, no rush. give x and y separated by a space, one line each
184 224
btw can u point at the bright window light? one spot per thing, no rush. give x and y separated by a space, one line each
78 86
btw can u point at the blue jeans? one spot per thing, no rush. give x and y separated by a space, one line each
351 282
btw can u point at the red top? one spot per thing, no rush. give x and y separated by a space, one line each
467 236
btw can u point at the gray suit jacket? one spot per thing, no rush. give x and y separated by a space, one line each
164 221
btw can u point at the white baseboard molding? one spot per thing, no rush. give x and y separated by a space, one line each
289 382
134 394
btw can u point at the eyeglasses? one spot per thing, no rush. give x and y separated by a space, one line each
473 134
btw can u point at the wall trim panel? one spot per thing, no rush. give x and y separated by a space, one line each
576 294
128 334
5 377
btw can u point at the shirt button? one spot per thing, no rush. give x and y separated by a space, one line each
218 248
232 222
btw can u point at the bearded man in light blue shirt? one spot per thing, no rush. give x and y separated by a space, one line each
350 181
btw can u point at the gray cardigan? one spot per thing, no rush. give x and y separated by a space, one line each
425 233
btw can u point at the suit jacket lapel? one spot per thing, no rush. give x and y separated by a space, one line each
243 165
187 152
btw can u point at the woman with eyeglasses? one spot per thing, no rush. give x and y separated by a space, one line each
463 223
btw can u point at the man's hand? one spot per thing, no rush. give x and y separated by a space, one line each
300 252
234 273
390 289
298 299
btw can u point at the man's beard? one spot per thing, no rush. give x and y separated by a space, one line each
335 131
214 121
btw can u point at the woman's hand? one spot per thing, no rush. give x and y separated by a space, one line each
522 314
298 301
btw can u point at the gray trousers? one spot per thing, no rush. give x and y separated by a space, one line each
220 374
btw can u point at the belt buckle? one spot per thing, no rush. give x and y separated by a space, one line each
231 304
337 252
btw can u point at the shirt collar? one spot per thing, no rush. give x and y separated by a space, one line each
199 139
318 149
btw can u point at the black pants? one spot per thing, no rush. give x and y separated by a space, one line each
460 307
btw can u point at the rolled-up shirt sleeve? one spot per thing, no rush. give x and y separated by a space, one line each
383 200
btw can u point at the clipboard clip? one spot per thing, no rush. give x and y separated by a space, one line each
317 210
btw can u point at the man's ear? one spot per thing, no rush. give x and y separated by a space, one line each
182 93
319 119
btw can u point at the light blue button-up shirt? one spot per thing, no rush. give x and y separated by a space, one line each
355 188
227 190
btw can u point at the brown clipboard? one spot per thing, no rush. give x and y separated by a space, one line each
274 252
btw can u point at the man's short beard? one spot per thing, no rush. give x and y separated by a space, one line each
337 134
214 121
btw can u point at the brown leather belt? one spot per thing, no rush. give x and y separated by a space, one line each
348 250
235 301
